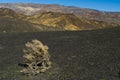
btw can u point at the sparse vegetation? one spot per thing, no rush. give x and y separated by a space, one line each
76 55
36 58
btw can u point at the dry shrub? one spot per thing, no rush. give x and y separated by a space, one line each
36 58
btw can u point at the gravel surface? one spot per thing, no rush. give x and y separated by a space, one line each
75 55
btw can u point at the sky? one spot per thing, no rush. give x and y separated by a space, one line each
102 5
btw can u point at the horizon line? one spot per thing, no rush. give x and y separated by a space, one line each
59 5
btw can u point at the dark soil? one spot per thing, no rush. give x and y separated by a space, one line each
75 55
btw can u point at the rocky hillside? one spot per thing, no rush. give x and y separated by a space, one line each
67 21
29 9
5 12
11 21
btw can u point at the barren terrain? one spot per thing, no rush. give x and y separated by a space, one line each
75 55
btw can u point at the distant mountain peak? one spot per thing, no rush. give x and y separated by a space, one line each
54 17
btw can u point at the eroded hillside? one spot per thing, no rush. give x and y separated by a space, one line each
11 21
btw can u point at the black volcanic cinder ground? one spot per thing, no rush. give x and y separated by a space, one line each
78 55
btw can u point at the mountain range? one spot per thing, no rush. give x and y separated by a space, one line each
28 17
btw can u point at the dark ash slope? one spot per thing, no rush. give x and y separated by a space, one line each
82 55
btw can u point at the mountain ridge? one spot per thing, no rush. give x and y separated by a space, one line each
11 21
48 21
31 8
68 21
